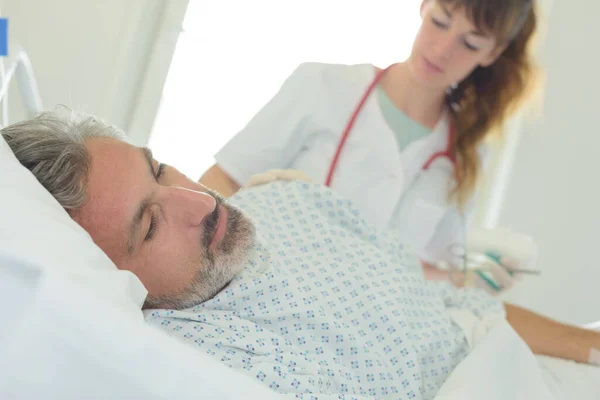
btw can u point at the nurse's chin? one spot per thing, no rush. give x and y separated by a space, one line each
427 78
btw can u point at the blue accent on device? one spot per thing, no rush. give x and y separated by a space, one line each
3 37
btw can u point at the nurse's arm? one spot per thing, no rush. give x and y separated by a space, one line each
217 179
434 274
547 337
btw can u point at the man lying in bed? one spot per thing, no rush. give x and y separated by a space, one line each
284 280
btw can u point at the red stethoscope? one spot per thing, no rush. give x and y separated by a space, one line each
445 153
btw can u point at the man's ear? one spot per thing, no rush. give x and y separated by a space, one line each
493 56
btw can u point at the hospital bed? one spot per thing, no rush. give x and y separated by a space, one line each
21 69
72 326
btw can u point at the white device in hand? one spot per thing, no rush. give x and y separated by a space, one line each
505 243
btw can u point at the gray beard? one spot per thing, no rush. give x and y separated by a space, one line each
216 268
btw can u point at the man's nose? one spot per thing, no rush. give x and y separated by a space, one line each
189 207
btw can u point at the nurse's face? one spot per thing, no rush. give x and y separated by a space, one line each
448 47
183 241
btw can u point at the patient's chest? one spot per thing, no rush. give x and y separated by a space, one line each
329 296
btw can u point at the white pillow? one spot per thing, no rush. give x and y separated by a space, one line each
54 348
36 231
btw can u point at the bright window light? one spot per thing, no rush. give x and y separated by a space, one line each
233 56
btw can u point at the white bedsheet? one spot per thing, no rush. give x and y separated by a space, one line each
568 380
501 366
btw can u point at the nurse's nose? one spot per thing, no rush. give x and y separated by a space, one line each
445 47
188 207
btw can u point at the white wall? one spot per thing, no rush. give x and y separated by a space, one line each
554 192
89 55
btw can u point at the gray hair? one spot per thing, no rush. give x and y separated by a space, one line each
52 146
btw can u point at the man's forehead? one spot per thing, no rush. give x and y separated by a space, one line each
115 167
115 184
102 148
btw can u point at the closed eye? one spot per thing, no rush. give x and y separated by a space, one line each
439 24
470 46
151 229
160 170
153 222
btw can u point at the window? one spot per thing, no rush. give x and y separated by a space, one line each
233 56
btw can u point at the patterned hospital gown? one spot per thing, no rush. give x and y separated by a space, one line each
329 307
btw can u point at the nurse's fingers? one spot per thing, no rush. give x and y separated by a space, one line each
502 277
290 175
495 279
261 179
277 175
511 264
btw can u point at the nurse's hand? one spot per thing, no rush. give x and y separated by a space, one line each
501 277
277 175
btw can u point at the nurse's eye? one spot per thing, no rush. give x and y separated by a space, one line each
439 23
470 46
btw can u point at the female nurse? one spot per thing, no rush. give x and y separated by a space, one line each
405 143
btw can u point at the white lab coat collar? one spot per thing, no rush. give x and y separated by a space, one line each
414 157
411 160
405 166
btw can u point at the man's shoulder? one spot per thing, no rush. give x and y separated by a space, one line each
285 198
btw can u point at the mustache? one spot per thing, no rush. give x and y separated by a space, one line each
210 223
